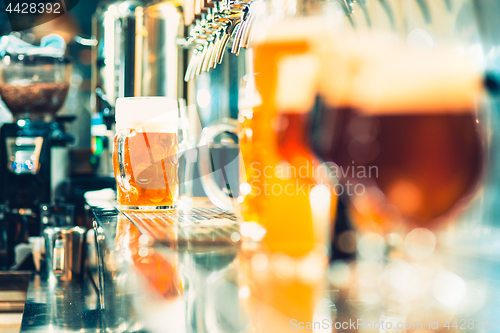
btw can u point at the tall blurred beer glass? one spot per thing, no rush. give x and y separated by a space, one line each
405 135
145 153
266 126
277 169
282 267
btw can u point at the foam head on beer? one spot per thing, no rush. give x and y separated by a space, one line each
297 83
147 114
416 81
278 26
345 55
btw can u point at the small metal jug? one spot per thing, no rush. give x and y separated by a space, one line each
65 252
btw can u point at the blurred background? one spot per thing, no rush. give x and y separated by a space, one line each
408 86
78 22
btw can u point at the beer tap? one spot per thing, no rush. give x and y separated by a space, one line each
238 38
222 23
217 21
211 47
198 41
218 40
247 29
196 44
234 21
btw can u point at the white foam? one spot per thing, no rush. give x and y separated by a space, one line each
147 114
344 56
295 29
378 75
297 83
416 82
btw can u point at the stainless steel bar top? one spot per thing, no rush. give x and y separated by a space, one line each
184 272
54 306
106 299
167 271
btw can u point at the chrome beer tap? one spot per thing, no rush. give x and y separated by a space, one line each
234 20
217 23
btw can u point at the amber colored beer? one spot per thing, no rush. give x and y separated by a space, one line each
423 164
293 140
288 230
145 166
409 129
260 149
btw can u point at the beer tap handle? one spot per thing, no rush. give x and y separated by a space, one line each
248 28
196 59
222 46
243 27
237 38
199 65
204 43
215 22
212 63
192 65
218 23
234 21
187 75
220 38
362 5
206 60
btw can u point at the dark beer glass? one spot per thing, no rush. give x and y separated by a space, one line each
406 138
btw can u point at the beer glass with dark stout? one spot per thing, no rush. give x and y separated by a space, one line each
405 137
145 153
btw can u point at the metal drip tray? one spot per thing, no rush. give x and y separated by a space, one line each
195 227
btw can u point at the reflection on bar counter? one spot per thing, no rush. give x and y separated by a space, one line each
251 166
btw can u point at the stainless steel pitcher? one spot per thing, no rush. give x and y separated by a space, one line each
65 252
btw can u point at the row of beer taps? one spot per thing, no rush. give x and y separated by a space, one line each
215 25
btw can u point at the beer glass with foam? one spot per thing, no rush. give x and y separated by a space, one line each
145 153
405 135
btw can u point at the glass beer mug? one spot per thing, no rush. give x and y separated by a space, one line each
145 153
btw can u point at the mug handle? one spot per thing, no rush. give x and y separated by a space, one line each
210 186
121 136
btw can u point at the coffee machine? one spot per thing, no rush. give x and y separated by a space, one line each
33 157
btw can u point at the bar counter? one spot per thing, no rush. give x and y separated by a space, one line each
176 272
60 307
120 296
